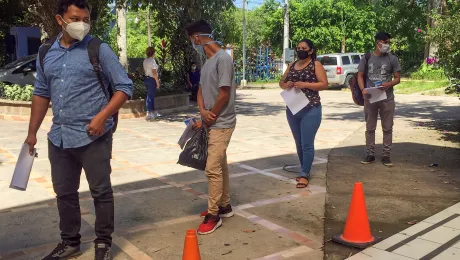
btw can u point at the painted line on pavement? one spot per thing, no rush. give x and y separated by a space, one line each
318 160
124 245
279 177
135 253
282 231
86 215
287 253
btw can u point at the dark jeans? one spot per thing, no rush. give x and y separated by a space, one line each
151 85
66 166
194 91
304 126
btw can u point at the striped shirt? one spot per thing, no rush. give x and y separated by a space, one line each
69 81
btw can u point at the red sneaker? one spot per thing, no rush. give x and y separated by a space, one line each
224 212
209 225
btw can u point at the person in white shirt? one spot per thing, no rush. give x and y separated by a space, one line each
152 83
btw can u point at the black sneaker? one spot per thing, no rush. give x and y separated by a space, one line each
63 251
224 212
102 252
368 159
387 161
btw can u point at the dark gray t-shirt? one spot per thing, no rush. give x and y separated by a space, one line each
217 72
380 68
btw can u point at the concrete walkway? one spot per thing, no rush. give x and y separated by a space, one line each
158 200
436 238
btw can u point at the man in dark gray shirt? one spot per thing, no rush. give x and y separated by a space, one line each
216 100
379 69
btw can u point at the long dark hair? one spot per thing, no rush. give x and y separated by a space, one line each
312 47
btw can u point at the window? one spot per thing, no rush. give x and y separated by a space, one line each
345 60
326 60
355 59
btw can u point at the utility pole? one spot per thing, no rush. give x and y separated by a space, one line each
148 26
344 37
286 33
243 80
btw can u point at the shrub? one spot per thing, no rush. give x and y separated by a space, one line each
429 72
17 92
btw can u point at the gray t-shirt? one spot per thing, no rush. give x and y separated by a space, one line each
217 72
380 68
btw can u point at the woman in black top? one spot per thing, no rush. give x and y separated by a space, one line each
308 75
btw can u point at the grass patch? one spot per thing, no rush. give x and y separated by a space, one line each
409 87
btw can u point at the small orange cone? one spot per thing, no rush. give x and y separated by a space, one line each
357 231
191 249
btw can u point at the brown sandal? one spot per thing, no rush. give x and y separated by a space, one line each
301 185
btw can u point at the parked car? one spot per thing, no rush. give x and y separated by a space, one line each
340 67
21 71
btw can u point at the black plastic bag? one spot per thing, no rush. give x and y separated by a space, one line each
195 153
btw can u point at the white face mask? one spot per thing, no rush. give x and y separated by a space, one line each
385 48
77 30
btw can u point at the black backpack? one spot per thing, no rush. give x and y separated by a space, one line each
93 52
356 92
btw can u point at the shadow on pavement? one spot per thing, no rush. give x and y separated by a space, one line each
141 204
419 113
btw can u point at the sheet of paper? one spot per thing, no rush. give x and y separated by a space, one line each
187 134
23 168
295 99
376 94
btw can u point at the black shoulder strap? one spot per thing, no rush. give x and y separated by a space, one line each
93 52
44 50
367 56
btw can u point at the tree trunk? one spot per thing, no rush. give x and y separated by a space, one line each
44 12
444 7
148 27
429 23
121 37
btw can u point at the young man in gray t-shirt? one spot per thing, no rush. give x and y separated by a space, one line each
380 70
216 100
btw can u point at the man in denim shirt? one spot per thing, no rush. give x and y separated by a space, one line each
81 135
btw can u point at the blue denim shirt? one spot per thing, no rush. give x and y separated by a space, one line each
69 81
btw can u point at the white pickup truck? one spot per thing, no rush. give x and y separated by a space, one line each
340 67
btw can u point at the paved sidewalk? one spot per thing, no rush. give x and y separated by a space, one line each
436 238
158 200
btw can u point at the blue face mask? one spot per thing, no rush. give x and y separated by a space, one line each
200 47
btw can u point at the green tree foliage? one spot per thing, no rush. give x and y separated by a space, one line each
137 35
327 22
172 17
446 36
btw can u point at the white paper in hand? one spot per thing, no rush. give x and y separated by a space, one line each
23 168
376 94
295 99
187 134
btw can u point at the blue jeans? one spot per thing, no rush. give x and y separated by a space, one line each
151 85
304 126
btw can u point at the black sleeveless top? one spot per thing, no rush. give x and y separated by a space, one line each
306 74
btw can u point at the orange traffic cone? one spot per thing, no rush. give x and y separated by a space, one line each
191 249
357 231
